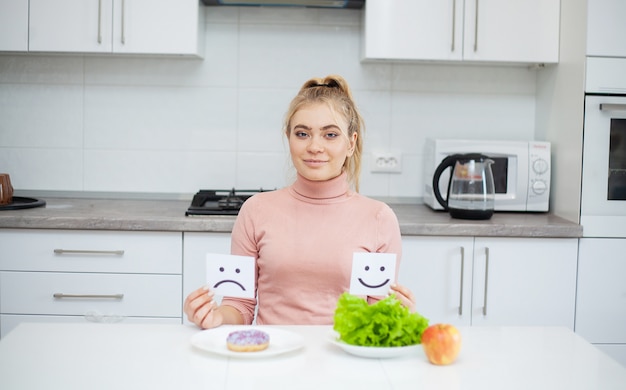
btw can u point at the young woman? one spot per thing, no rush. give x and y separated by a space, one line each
303 237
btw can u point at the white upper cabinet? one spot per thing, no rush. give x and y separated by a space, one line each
157 26
413 29
13 25
512 31
71 25
173 27
606 28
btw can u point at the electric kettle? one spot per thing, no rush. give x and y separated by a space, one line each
471 191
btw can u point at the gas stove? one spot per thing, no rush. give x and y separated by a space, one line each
219 202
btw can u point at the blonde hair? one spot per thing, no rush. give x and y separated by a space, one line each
334 91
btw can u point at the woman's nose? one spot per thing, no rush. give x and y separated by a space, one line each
315 145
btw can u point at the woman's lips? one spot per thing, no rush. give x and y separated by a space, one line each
315 163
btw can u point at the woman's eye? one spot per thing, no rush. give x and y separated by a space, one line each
332 135
300 134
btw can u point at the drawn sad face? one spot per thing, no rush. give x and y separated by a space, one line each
223 270
231 276
372 273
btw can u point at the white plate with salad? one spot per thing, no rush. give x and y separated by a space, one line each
377 352
360 328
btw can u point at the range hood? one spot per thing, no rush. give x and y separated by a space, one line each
291 3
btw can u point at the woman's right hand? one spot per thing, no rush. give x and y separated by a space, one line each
202 310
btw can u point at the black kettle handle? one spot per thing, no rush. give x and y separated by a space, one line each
445 163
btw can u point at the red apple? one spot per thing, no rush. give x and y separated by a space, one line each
442 343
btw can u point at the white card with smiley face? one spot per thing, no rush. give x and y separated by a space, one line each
230 275
372 273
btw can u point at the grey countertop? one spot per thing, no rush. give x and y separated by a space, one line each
169 215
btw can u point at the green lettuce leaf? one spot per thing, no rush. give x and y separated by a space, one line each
386 323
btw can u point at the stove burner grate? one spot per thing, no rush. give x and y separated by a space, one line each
219 202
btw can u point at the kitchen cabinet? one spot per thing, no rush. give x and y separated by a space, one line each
195 248
13 25
492 281
96 276
170 27
515 31
601 294
438 272
606 28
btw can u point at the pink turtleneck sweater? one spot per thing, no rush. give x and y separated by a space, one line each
303 238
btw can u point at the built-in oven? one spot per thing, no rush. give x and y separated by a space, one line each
603 201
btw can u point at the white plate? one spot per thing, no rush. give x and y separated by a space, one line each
377 352
214 340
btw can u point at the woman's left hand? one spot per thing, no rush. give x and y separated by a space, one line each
404 295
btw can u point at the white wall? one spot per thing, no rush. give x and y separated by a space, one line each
174 125
560 106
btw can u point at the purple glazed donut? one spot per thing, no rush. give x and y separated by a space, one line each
249 340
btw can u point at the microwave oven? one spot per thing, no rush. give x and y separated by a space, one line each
521 171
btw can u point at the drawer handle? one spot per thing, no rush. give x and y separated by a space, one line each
612 107
88 252
453 24
486 280
476 28
461 284
99 21
123 22
88 296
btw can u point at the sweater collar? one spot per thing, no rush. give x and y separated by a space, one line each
328 189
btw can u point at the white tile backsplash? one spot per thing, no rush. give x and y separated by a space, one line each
218 69
38 69
160 118
297 53
161 171
176 125
41 116
260 128
43 168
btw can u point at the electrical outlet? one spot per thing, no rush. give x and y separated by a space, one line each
386 162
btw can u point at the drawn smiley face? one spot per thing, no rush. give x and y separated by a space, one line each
374 276
224 271
372 273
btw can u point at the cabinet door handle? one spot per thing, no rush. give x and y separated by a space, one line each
88 252
99 21
476 28
453 23
486 280
461 283
88 296
612 107
123 21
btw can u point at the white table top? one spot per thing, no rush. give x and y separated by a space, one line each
139 356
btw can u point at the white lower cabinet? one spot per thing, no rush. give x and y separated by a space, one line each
601 294
195 247
97 276
438 272
492 281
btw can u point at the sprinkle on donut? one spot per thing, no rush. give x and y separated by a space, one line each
249 340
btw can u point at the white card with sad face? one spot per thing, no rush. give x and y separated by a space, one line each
372 273
230 275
